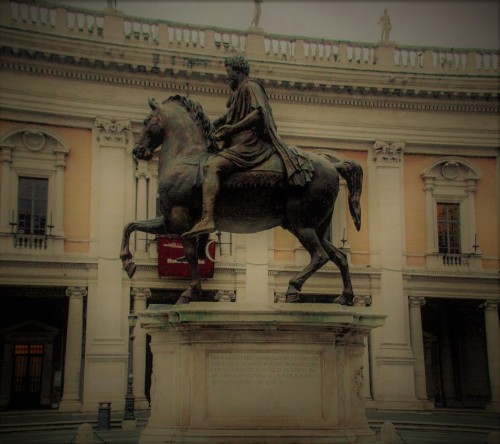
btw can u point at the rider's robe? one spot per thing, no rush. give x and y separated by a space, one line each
253 146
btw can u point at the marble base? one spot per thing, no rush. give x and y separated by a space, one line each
245 373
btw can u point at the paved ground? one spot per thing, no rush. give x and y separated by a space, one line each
437 427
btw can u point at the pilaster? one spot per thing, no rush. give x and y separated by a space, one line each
71 399
107 347
417 345
394 363
493 349
140 296
257 268
142 177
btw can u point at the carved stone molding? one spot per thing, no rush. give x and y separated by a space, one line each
34 140
388 153
225 296
490 305
140 293
111 130
416 302
76 292
362 300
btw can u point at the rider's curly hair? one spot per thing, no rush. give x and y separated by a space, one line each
238 63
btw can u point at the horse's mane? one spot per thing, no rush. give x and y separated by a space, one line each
196 112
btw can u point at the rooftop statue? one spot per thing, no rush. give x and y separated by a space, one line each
256 14
237 175
385 22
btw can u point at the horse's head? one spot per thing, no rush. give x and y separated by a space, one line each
152 133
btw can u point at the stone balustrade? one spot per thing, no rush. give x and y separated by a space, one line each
114 27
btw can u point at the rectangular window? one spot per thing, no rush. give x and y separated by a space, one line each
448 220
32 205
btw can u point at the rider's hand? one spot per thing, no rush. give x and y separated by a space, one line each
224 132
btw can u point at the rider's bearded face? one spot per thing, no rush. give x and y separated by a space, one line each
232 77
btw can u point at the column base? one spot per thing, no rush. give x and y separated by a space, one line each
70 405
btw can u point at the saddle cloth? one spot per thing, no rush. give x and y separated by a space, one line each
270 173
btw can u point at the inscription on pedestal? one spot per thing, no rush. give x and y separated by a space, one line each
257 383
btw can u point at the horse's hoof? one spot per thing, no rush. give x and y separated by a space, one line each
183 300
343 300
292 298
130 269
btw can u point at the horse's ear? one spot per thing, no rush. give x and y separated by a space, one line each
153 104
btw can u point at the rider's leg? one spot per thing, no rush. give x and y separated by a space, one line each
211 187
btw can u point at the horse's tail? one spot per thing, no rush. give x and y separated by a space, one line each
352 172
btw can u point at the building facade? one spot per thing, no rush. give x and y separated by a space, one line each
423 123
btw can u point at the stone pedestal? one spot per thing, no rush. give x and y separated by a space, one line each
255 373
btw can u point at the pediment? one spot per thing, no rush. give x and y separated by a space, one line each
29 327
34 139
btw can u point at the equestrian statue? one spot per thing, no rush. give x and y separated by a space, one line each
237 175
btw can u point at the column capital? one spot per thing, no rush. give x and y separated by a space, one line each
142 174
490 305
140 293
362 300
387 153
113 132
416 301
225 296
76 292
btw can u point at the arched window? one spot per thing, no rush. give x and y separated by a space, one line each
450 186
32 189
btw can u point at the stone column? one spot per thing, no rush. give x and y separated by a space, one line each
113 197
142 177
6 215
73 360
493 349
257 264
56 218
417 345
140 296
393 364
429 202
447 364
471 203
152 196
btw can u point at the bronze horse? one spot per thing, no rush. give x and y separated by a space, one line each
186 138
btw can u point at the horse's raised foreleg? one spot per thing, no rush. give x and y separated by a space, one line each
151 226
309 239
339 258
191 254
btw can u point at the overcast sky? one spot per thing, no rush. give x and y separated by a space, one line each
446 23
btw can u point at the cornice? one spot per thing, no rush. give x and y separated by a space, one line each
457 280
48 264
200 80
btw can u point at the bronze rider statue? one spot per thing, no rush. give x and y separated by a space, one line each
249 137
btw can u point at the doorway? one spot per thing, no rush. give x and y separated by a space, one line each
26 386
455 353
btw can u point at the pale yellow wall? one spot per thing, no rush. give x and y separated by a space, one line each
415 212
487 201
76 183
359 240
77 189
285 242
